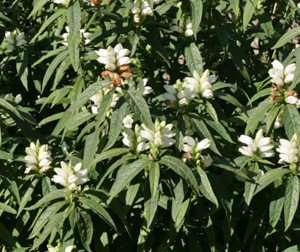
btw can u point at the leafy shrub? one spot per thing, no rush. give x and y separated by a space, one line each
152 125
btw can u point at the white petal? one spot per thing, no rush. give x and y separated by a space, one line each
278 65
245 139
289 78
204 144
290 69
170 89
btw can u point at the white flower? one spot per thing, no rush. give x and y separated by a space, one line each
14 40
194 148
139 8
64 2
282 75
128 121
69 248
160 137
69 176
200 84
113 57
142 87
188 30
10 97
288 150
38 158
260 146
291 99
278 120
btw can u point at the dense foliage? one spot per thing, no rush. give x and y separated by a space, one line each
152 125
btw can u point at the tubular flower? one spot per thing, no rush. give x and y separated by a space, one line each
10 97
142 87
160 137
179 94
84 35
288 150
69 176
14 40
132 139
259 147
282 75
38 158
193 148
201 84
98 98
113 58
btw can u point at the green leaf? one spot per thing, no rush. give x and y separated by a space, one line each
56 218
73 18
108 154
139 106
271 117
205 187
116 124
6 208
62 123
196 15
51 196
251 185
49 54
163 8
90 150
6 236
54 64
248 12
99 210
56 15
38 5
234 4
276 205
220 25
150 207
45 217
261 93
182 170
270 177
154 175
222 163
229 98
296 79
88 93
125 175
291 120
287 37
8 106
60 73
193 58
85 228
292 194
294 248
5 155
104 108
256 115
27 195
22 70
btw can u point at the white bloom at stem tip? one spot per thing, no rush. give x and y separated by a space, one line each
38 158
193 148
128 121
142 87
113 58
282 75
259 147
14 39
288 150
63 2
70 176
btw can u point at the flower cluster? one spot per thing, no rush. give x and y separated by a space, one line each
14 40
142 138
260 147
139 9
84 35
69 176
184 26
288 150
179 94
182 93
113 58
38 158
192 148
281 77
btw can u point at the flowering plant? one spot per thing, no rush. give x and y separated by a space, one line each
149 125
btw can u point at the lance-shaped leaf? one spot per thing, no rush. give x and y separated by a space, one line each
193 58
125 175
291 120
182 170
196 15
287 37
85 228
139 106
251 185
99 210
248 12
292 194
